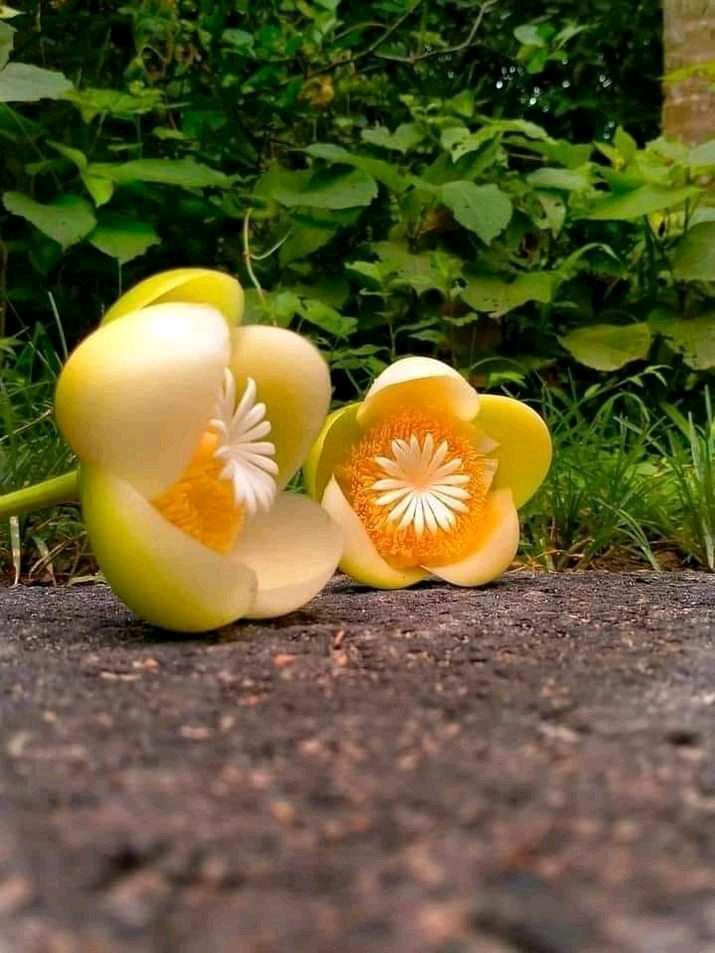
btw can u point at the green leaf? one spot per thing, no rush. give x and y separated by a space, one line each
93 102
327 318
608 347
403 139
483 209
569 32
7 34
554 211
368 269
326 189
76 156
702 155
123 238
239 40
67 220
100 189
358 358
311 232
530 34
330 289
23 83
694 338
694 258
560 151
426 271
377 168
639 202
566 180
497 296
459 141
186 173
7 13
625 144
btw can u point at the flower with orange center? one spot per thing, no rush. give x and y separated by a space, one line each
425 477
188 428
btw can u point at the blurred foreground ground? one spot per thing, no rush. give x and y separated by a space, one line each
528 768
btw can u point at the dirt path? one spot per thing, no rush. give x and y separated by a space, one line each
525 768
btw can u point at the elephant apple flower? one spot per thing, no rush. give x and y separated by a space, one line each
188 428
425 476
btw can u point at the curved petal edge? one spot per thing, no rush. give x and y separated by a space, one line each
293 381
190 285
419 381
497 549
361 559
524 444
162 574
332 446
293 550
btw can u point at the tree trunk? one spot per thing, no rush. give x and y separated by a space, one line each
689 41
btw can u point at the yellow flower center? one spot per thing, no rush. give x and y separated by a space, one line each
202 503
232 474
418 482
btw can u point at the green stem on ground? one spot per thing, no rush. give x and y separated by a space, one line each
61 489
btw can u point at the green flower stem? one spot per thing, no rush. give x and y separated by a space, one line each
61 489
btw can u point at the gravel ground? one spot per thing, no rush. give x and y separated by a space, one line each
528 768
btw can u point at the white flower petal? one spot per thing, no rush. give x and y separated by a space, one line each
293 550
419 382
163 574
137 395
292 379
360 558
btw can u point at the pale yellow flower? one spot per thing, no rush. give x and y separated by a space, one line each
425 476
188 428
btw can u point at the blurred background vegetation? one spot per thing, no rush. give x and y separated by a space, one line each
485 182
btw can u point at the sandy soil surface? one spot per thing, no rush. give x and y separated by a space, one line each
528 768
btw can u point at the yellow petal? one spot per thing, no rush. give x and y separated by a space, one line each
292 380
419 382
524 451
136 395
164 575
497 548
198 285
338 435
360 558
293 550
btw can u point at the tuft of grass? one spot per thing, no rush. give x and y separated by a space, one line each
687 514
596 501
630 485
47 546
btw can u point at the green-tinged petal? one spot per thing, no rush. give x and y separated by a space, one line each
334 442
293 550
419 382
136 395
197 285
292 380
524 451
164 575
361 559
497 547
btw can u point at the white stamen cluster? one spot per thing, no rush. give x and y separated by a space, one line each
422 487
248 456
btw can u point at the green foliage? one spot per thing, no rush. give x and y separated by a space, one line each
690 456
470 181
628 483
388 206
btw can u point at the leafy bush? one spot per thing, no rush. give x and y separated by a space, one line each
355 164
491 242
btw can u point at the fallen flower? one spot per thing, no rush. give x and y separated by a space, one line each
188 428
425 476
